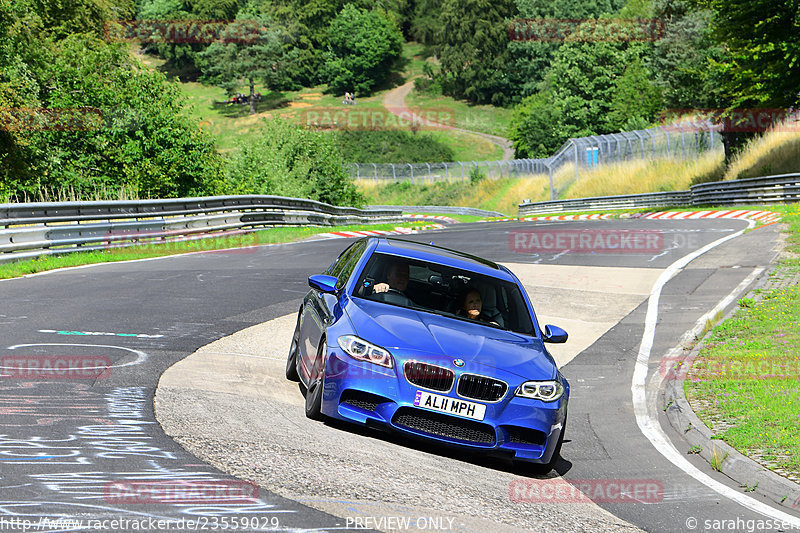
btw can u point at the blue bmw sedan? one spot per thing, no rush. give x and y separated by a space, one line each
432 343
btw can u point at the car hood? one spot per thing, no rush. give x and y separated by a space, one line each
409 334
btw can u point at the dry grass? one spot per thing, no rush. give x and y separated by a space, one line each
503 195
776 152
648 175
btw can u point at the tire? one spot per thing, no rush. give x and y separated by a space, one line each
291 361
315 389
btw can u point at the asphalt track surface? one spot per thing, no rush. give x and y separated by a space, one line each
65 443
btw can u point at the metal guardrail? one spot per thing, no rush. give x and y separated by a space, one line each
765 190
35 229
628 201
440 210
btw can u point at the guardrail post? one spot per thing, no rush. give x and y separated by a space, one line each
394 172
376 171
358 171
641 141
577 172
683 145
446 177
462 169
412 172
429 171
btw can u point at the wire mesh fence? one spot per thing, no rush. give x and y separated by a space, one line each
583 152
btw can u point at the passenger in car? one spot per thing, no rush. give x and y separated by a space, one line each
471 307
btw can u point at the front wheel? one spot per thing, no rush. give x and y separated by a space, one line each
545 468
315 388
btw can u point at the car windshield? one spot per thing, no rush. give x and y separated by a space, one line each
440 289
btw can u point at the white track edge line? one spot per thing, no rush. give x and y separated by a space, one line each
649 425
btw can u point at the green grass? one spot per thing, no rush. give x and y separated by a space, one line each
268 236
413 57
467 147
482 118
746 375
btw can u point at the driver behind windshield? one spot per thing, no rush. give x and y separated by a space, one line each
397 281
397 277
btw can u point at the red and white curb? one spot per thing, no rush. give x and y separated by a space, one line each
555 217
374 233
446 220
764 217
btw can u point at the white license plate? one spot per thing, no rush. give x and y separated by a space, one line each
451 406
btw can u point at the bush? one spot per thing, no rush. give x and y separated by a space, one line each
476 175
430 83
394 146
288 160
536 127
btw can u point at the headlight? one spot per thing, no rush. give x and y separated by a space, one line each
547 391
362 350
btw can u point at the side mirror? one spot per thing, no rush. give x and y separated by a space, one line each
323 283
555 334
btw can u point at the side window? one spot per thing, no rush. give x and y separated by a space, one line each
340 261
348 263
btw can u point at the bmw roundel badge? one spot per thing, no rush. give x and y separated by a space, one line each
458 362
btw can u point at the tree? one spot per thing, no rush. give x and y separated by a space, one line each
680 59
425 22
529 60
63 17
762 38
473 49
250 49
182 56
635 100
21 53
583 81
363 47
577 95
287 160
761 68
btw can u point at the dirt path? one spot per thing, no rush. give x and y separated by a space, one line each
395 102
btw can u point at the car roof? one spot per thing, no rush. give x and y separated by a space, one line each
438 254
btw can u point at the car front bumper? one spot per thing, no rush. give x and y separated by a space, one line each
374 396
